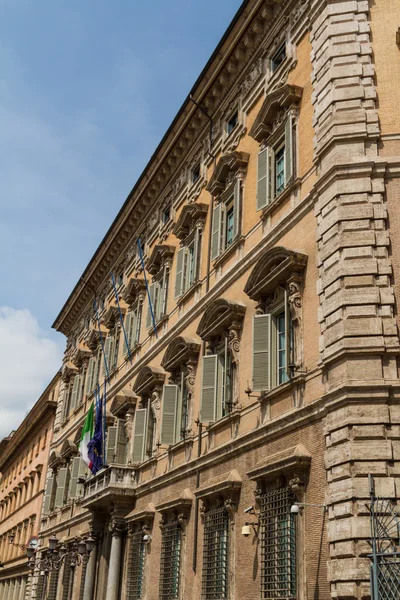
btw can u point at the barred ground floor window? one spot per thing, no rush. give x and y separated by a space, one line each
136 560
278 545
170 568
216 554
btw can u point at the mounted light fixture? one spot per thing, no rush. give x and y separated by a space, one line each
295 508
78 552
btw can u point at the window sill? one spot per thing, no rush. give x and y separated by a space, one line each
234 414
282 387
159 323
181 444
133 351
186 295
229 251
277 201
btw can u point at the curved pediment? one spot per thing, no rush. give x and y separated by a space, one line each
124 401
68 449
148 378
218 316
55 459
277 266
133 290
179 351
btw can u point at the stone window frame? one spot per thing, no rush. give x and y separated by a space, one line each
189 229
68 374
275 127
287 469
227 183
148 387
140 522
175 512
134 296
279 275
112 340
180 360
159 266
230 139
119 442
222 493
222 323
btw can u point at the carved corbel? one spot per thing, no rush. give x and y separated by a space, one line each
230 507
117 525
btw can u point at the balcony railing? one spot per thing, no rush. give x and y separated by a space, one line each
113 482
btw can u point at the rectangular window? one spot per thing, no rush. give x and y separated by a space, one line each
232 122
226 220
217 383
280 170
187 264
278 545
132 325
136 560
159 298
278 57
166 214
195 174
215 555
170 561
272 348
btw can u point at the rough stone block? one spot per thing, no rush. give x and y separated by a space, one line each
349 569
368 431
359 414
362 469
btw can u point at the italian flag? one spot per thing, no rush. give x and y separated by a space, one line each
87 434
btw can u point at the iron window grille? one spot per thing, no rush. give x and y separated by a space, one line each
52 586
215 555
170 561
135 576
68 578
83 577
278 545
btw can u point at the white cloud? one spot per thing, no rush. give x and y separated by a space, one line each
28 362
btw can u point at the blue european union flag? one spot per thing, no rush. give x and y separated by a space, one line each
96 444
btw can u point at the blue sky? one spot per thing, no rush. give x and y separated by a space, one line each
87 90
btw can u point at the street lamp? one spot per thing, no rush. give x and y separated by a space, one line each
78 554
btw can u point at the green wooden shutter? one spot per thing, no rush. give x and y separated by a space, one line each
216 232
288 337
209 388
288 149
169 410
79 396
149 321
61 481
139 435
196 257
129 328
96 370
111 445
261 352
48 493
237 208
263 195
74 395
112 359
82 474
66 403
138 322
121 443
89 375
73 482
107 344
179 287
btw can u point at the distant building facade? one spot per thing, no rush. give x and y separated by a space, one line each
23 467
271 377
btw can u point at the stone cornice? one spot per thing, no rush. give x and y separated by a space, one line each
35 418
229 64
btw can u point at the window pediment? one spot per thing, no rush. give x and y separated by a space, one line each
228 166
55 459
277 267
292 459
147 379
124 401
218 316
142 514
179 352
68 449
69 370
81 355
190 215
185 499
219 485
275 102
160 254
112 316
135 288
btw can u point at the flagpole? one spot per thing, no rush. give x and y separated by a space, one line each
104 423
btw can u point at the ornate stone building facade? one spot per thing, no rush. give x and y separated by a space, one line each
23 467
268 228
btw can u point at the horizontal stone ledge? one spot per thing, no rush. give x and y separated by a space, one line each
356 450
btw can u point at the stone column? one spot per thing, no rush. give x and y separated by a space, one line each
117 527
90 575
